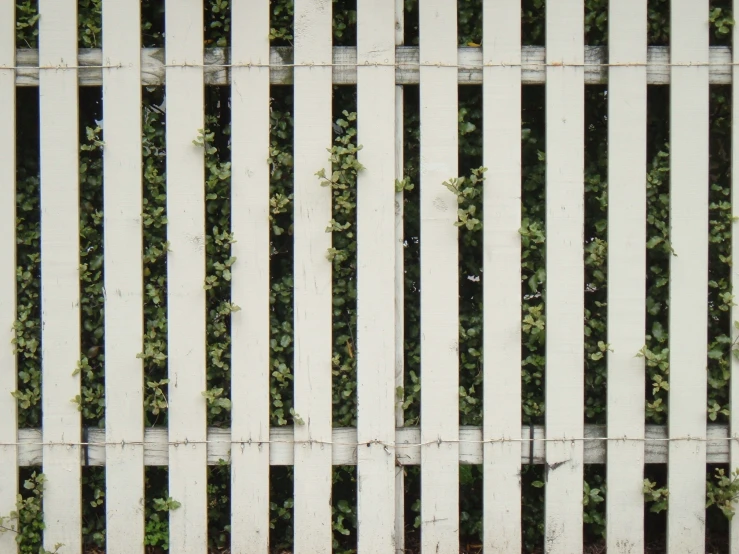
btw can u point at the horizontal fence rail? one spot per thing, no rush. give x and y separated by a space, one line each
407 442
217 62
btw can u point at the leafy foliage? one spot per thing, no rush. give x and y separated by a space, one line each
593 499
656 496
723 491
27 520
157 522
343 256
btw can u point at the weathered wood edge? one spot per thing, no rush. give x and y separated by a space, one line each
281 447
345 71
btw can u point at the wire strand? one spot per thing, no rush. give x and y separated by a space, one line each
437 442
397 65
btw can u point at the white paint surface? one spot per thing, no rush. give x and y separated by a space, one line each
627 141
8 411
312 213
502 275
60 297
439 280
399 288
188 530
250 279
564 379
688 311
122 181
376 316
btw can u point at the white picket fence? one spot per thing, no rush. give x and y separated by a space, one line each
379 66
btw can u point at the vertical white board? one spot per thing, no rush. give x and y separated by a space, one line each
565 275
627 161
60 296
734 382
250 277
376 276
186 275
399 288
501 50
312 213
8 410
688 313
124 317
439 279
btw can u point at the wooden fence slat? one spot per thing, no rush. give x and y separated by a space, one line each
8 405
439 279
627 147
502 275
313 308
734 361
376 277
688 312
250 286
565 276
186 276
122 181
399 287
60 310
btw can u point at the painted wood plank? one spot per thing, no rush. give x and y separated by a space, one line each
470 71
313 211
439 279
122 181
627 161
250 279
376 309
502 274
688 312
60 311
399 287
408 451
734 381
8 405
565 276
186 275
